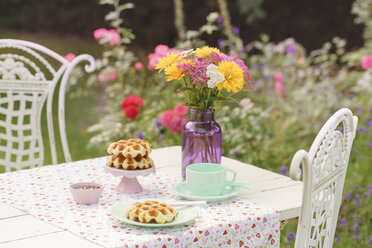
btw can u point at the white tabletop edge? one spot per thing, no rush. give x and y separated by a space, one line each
25 226
66 238
7 211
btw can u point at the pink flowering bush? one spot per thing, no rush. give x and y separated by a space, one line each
166 118
99 33
278 83
301 61
180 110
112 76
366 62
101 78
177 124
111 36
114 37
138 66
174 119
107 76
70 57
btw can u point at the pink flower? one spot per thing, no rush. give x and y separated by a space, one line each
112 76
242 65
100 33
198 73
159 52
172 50
366 62
101 78
114 37
166 118
187 68
279 87
278 77
153 60
177 124
70 57
112 34
225 57
138 66
180 110
215 57
162 50
301 61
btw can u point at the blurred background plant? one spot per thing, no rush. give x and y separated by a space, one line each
297 84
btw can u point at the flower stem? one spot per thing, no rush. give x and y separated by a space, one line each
184 84
206 104
228 30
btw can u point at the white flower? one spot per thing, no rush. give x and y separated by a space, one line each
246 103
364 83
214 75
187 53
111 16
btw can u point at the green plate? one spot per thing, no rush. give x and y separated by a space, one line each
185 215
181 189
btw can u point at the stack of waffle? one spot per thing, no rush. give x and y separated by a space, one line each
151 212
130 154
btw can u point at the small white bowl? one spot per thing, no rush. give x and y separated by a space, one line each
83 194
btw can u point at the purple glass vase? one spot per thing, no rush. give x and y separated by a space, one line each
201 139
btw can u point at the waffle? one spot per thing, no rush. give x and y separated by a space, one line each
138 162
151 212
130 148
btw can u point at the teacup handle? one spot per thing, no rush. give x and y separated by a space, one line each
234 172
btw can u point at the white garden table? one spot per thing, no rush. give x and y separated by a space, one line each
278 192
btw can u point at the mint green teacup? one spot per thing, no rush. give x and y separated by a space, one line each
206 179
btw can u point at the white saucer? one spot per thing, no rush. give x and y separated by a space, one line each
180 189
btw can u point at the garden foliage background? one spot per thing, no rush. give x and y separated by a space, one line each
296 89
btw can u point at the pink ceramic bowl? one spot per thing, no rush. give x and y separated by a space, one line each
86 192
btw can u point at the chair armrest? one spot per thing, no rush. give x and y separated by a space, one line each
295 171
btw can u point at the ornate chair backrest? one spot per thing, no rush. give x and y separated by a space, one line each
324 171
27 81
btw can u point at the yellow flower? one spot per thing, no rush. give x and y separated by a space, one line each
205 51
187 61
173 72
234 77
167 61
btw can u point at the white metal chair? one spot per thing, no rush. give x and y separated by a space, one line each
324 170
27 80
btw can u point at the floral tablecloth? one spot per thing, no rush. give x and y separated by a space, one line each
44 193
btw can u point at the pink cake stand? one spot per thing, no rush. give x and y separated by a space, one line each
129 183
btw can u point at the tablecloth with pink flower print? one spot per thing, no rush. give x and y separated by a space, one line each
44 193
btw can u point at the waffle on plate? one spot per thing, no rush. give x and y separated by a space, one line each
151 212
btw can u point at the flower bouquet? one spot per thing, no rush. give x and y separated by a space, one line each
206 75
